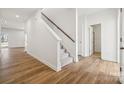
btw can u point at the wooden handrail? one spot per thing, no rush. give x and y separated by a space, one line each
57 27
122 48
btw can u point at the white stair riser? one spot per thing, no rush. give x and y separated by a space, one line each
64 57
62 51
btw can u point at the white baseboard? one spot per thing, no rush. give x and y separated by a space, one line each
49 65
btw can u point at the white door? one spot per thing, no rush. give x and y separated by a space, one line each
90 40
122 47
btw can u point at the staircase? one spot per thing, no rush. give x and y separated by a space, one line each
65 57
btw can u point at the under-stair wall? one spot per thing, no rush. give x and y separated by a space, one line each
42 42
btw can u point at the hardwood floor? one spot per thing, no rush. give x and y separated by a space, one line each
19 67
97 54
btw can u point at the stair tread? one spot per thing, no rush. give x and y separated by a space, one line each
64 55
65 58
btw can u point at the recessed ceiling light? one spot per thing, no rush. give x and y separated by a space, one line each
17 16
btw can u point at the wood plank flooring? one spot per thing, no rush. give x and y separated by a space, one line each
19 67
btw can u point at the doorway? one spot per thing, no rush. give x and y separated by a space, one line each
95 40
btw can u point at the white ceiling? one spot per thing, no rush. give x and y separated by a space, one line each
9 18
9 14
87 11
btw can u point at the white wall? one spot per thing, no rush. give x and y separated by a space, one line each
0 24
15 38
108 21
41 43
122 45
65 18
15 31
0 34
122 33
13 25
81 23
97 37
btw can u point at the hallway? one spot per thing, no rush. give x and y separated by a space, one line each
18 67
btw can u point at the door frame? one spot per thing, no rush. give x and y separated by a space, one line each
119 28
94 39
119 39
90 51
